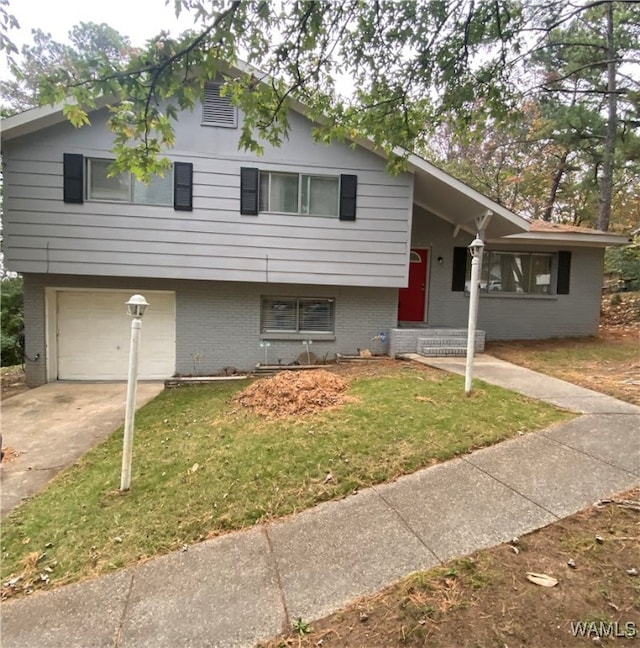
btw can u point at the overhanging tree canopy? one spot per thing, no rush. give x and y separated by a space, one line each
390 71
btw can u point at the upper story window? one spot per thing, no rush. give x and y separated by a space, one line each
123 187
216 109
296 193
515 272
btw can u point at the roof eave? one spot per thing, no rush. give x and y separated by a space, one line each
31 121
579 239
35 119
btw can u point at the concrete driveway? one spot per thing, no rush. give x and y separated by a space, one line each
50 427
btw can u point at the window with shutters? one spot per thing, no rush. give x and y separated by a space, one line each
514 272
299 315
217 110
295 193
123 187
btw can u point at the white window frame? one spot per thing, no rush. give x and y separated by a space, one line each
302 210
132 181
297 332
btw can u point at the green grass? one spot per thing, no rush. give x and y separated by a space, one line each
577 352
249 469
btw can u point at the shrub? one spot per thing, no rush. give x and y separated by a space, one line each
625 263
12 320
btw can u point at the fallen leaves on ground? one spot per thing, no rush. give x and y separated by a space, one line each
620 310
292 393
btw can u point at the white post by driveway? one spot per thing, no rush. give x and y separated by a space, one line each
475 249
136 307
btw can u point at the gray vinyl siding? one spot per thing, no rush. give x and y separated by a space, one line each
220 321
213 242
506 317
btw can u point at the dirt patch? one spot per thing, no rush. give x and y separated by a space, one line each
294 393
12 382
486 600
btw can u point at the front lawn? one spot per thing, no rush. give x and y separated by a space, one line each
204 465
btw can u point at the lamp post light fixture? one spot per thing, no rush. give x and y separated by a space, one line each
136 307
475 248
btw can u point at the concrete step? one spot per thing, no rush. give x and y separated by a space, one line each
449 332
406 340
449 341
439 351
448 345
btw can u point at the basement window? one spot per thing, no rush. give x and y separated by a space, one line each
297 315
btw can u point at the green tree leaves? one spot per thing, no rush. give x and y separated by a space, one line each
12 320
391 71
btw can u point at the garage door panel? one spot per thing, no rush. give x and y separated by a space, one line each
94 335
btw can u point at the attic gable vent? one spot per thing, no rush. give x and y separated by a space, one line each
217 110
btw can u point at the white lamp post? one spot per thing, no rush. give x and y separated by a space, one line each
475 249
135 307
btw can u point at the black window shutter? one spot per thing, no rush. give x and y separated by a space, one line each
249 190
73 173
348 193
564 273
183 186
459 269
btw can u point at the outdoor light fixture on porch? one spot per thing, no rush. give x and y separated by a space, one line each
135 307
475 248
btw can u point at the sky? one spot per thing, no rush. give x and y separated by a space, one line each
138 19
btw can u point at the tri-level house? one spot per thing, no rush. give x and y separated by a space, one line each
244 257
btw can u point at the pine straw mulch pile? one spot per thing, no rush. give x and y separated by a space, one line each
293 393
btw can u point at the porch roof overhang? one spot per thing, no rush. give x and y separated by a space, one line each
556 235
455 202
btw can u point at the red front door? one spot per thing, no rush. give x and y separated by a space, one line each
411 300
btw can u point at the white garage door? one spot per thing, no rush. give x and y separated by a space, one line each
94 332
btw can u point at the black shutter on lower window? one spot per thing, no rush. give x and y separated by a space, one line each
459 276
183 186
73 174
564 273
249 191
348 193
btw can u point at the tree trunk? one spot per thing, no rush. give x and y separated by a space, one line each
606 182
554 187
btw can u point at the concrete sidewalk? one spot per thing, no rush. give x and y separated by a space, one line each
531 383
247 586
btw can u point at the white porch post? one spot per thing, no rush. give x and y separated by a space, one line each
475 249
